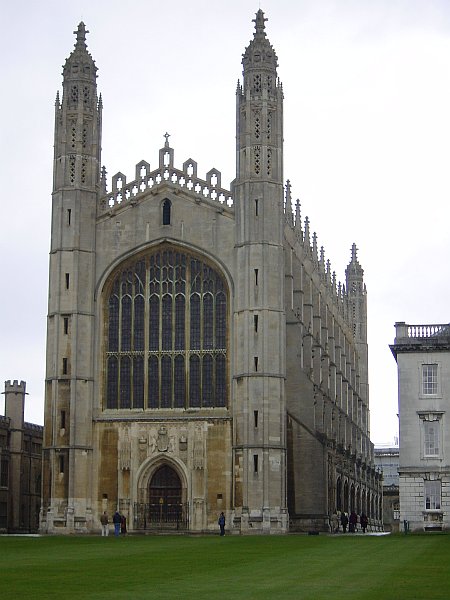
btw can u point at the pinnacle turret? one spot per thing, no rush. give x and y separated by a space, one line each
260 113
80 64
259 54
78 120
354 271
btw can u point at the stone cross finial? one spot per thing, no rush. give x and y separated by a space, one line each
167 136
81 34
259 22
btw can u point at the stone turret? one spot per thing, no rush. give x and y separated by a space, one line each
357 315
260 322
15 405
14 410
69 388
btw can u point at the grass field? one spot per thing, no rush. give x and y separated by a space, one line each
169 567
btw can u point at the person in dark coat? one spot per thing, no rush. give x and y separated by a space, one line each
344 521
117 520
123 525
353 521
221 522
364 521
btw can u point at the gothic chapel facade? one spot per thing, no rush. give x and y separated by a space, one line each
201 356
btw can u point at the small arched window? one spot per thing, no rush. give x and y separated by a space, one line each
167 205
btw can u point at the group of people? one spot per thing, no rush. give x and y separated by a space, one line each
119 522
344 520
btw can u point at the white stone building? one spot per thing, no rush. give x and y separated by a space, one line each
201 355
422 353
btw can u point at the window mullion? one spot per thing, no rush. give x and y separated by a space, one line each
146 330
187 333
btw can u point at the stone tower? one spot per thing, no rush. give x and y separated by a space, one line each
259 317
14 410
69 378
357 308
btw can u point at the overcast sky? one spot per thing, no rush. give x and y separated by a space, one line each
366 129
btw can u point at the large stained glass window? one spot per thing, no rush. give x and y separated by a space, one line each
166 328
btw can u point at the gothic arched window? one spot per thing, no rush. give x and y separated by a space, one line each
166 320
166 208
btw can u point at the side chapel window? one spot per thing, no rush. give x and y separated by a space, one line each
166 334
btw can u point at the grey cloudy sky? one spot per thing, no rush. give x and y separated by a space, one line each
367 142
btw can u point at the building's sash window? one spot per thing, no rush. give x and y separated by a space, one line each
429 380
432 493
166 333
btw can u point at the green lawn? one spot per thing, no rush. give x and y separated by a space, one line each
301 567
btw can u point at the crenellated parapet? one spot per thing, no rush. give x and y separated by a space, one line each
148 181
15 387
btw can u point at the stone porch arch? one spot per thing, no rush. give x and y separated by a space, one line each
174 509
149 468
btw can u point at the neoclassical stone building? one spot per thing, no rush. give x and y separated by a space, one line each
201 356
422 353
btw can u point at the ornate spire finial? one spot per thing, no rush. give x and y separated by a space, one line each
81 35
322 256
288 191
328 272
259 23
103 179
80 63
298 220
166 143
314 248
354 271
307 235
333 283
288 204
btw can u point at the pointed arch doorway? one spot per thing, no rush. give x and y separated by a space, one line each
165 508
165 489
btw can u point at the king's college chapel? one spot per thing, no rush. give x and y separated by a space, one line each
201 355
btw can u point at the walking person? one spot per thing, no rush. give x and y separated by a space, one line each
221 522
104 520
117 520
